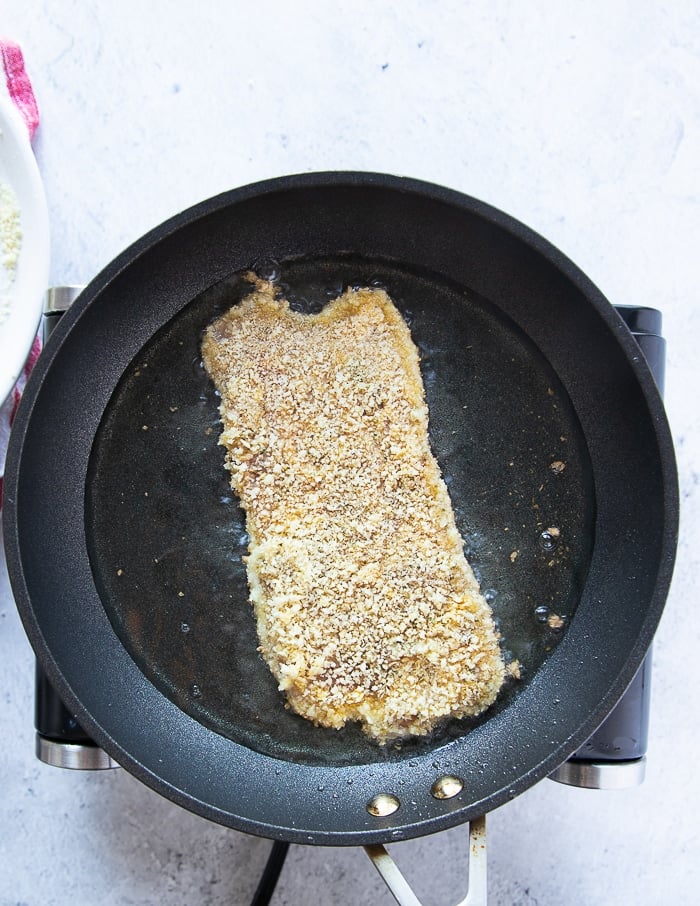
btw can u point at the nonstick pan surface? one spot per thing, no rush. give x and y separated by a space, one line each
125 542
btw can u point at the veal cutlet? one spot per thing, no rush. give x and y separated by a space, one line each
366 607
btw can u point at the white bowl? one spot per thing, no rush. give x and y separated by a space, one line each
22 286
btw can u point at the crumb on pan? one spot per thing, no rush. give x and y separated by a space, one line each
514 669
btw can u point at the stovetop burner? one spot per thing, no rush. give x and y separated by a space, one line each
612 758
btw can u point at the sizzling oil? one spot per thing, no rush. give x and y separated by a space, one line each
168 537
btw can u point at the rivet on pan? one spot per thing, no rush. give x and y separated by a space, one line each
447 787
383 804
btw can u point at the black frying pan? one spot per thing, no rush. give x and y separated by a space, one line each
124 543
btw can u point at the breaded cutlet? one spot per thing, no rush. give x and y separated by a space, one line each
366 607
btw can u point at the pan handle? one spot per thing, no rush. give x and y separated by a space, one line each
401 890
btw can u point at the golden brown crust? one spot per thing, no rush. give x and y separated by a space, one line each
365 604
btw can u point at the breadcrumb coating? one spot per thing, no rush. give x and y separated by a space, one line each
366 607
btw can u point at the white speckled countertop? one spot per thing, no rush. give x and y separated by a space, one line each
583 121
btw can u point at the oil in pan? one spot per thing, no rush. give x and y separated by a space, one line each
168 537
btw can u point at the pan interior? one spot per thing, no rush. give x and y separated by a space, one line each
166 535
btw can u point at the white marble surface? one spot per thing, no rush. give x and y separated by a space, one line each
583 120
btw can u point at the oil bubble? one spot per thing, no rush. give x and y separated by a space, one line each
195 691
542 613
428 369
268 269
549 538
490 595
314 306
298 304
184 627
333 290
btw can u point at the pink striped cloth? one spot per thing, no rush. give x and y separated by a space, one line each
15 84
